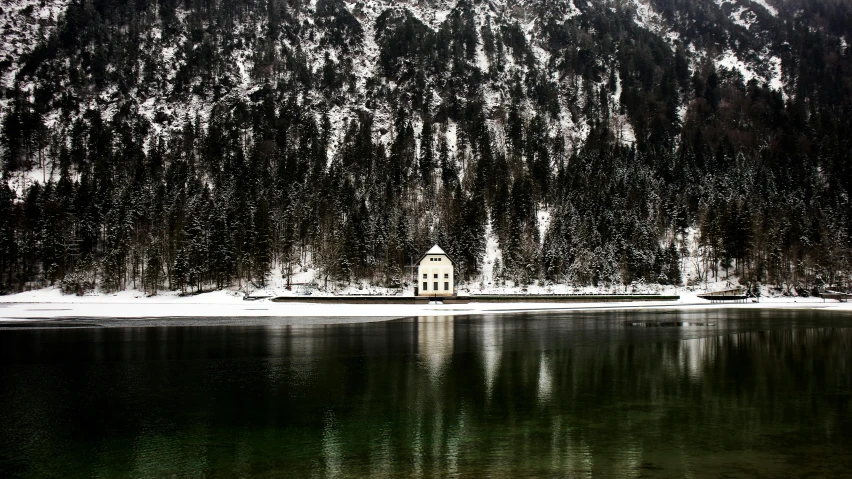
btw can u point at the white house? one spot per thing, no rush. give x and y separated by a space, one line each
435 274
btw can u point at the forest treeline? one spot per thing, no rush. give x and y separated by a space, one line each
721 176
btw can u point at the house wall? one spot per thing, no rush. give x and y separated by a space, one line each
440 267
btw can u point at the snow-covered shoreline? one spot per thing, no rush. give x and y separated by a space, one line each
50 304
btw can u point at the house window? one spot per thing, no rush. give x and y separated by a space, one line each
425 286
446 285
436 276
436 286
446 276
425 275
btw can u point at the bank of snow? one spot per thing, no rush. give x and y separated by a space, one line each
47 304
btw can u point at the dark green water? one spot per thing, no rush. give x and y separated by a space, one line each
746 394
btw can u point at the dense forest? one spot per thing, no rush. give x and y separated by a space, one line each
190 145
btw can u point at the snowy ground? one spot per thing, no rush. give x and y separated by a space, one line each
48 304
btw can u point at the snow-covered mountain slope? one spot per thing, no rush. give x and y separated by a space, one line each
219 137
159 60
24 24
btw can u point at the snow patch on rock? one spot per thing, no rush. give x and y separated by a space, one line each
543 222
776 82
768 71
729 60
20 181
744 17
493 255
23 24
769 8
647 18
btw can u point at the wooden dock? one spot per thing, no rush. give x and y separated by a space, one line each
725 295
484 298
567 298
842 297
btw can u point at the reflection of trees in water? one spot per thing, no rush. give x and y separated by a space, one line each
332 447
483 396
606 408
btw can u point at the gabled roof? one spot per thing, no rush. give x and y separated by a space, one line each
433 251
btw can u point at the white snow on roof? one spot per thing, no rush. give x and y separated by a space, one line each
436 250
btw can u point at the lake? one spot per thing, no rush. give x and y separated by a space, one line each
716 392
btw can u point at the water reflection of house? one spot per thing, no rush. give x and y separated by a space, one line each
435 343
491 347
695 355
545 379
